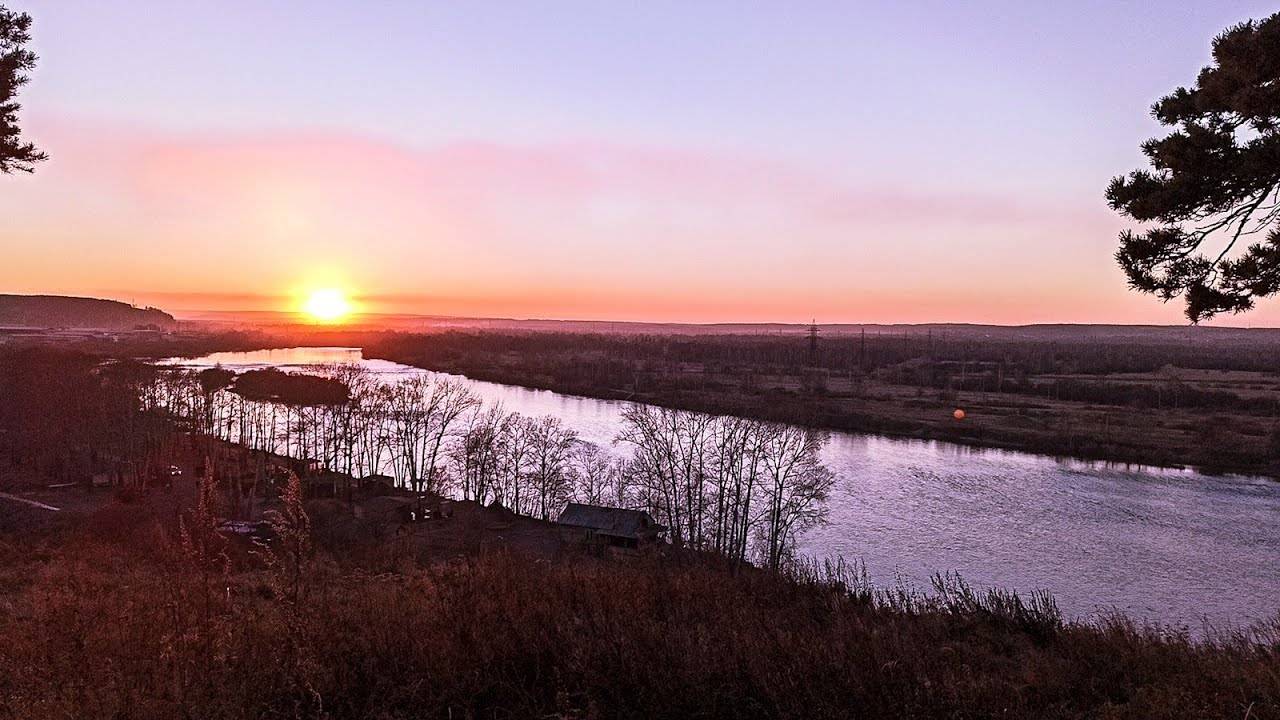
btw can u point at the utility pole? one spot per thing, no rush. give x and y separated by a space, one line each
813 343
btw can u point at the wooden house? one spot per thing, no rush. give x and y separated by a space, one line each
610 527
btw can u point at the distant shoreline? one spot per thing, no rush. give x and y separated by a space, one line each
818 413
1107 429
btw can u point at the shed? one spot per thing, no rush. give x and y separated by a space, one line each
615 527
325 484
305 466
377 485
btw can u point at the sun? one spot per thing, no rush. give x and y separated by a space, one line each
327 305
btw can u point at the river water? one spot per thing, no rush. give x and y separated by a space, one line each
1170 546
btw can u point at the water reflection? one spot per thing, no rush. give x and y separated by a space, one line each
1169 545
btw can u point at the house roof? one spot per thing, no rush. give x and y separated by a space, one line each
609 521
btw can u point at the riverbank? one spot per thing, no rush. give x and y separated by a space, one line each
1221 421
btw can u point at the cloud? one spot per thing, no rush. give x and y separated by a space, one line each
608 226
173 172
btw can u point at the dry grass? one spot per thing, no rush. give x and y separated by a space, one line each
109 620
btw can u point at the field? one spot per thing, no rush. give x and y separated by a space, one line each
1207 399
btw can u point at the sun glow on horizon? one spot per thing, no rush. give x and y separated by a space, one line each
327 305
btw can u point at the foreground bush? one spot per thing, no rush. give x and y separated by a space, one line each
126 627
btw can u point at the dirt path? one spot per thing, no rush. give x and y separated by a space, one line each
33 503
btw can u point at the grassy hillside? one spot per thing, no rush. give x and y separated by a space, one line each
117 615
56 311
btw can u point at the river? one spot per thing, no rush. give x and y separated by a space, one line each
1171 546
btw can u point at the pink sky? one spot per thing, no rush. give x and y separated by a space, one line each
878 165
575 230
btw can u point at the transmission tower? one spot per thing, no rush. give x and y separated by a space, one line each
813 343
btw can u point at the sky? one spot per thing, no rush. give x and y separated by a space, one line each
662 161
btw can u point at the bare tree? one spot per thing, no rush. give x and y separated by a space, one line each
478 452
739 462
721 482
593 474
372 420
450 399
669 466
795 489
514 463
423 413
550 443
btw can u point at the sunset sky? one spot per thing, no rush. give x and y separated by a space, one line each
886 162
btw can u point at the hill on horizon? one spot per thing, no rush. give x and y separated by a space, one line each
59 311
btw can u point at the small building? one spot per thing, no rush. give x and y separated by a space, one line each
377 485
305 466
325 484
612 527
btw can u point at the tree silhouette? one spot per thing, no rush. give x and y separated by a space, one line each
15 62
1212 183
